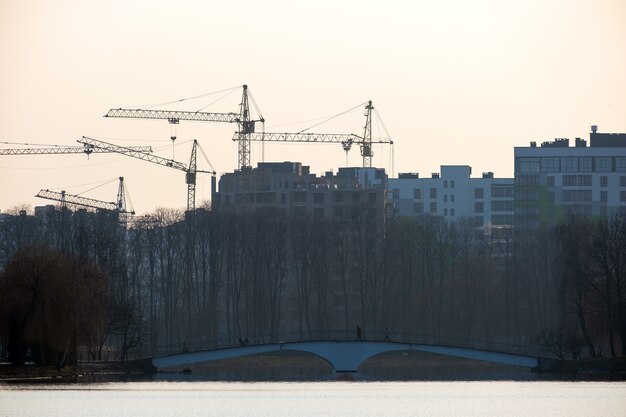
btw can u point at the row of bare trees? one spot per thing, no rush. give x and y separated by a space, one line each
591 267
213 277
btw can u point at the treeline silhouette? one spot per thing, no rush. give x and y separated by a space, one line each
213 277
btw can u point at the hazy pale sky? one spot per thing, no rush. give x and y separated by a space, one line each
454 81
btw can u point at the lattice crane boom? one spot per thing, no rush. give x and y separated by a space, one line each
190 170
246 125
65 198
345 139
98 144
173 116
76 200
87 149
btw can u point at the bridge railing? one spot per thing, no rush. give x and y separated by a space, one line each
351 335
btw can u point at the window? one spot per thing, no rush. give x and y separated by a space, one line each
445 198
417 194
622 181
550 181
338 196
620 164
550 164
433 193
433 207
584 180
452 184
603 196
603 165
318 212
445 184
569 165
283 199
479 192
577 180
569 180
506 205
622 196
500 191
452 212
418 208
603 181
478 207
526 195
318 198
585 164
445 211
452 198
527 165
527 179
299 197
576 195
479 221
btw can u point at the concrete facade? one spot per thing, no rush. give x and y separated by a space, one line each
452 195
288 188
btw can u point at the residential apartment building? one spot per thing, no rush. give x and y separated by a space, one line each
453 194
554 179
289 188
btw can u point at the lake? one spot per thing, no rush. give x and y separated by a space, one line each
326 398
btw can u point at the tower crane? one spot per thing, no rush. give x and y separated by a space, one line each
246 125
87 149
346 140
190 170
76 200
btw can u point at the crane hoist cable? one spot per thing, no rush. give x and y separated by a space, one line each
333 117
98 186
180 100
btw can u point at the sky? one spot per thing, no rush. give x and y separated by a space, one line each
454 82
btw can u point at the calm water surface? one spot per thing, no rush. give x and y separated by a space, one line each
358 399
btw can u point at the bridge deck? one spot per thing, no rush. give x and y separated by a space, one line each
344 356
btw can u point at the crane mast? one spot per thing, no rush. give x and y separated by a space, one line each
245 124
366 145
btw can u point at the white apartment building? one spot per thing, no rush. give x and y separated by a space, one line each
453 194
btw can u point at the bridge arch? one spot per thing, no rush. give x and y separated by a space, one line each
343 356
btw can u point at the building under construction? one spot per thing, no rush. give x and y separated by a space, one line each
289 189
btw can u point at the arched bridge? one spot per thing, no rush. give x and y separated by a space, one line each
344 355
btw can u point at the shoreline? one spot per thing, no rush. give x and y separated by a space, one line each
592 369
10 373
